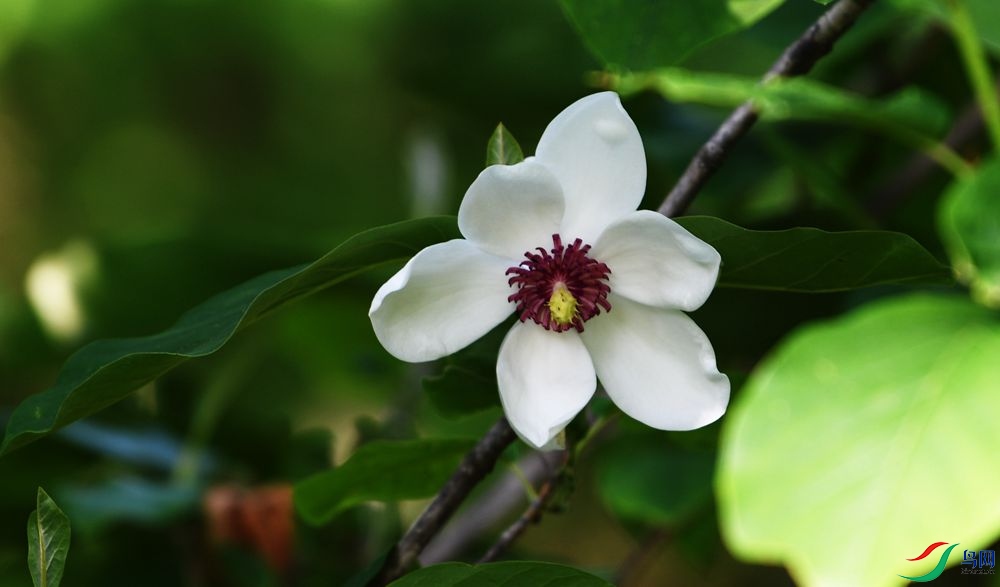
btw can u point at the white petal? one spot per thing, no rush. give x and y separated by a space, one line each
657 366
511 209
446 297
545 379
595 152
657 262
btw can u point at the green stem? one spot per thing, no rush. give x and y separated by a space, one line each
977 67
940 153
593 431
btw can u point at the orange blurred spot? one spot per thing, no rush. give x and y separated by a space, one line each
260 518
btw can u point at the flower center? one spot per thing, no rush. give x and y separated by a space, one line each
562 288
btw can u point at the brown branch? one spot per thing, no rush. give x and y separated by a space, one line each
490 507
797 60
476 465
530 516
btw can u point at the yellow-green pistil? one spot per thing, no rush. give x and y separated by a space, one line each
562 305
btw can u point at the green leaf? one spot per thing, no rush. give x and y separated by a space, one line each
468 382
380 471
502 148
460 390
107 371
638 34
909 115
48 542
644 480
813 260
860 441
969 220
505 574
985 14
104 372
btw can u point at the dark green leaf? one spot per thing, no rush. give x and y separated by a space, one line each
985 14
460 390
908 112
48 542
864 439
106 371
969 219
502 149
467 383
645 480
638 34
380 471
506 574
813 260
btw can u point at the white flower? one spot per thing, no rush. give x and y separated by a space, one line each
611 311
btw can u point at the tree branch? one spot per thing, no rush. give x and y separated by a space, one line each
797 60
491 506
530 516
476 465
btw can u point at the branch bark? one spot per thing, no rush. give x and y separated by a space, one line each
532 515
798 59
476 465
490 507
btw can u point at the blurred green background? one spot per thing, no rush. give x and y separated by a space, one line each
154 152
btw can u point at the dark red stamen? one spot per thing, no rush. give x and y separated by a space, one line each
537 277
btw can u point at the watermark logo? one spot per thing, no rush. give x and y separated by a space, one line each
938 569
974 562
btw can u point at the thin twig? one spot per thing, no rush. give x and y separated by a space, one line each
967 128
476 465
530 516
977 66
491 506
797 60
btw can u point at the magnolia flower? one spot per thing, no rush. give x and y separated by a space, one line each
600 288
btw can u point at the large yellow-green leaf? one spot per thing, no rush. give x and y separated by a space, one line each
862 440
